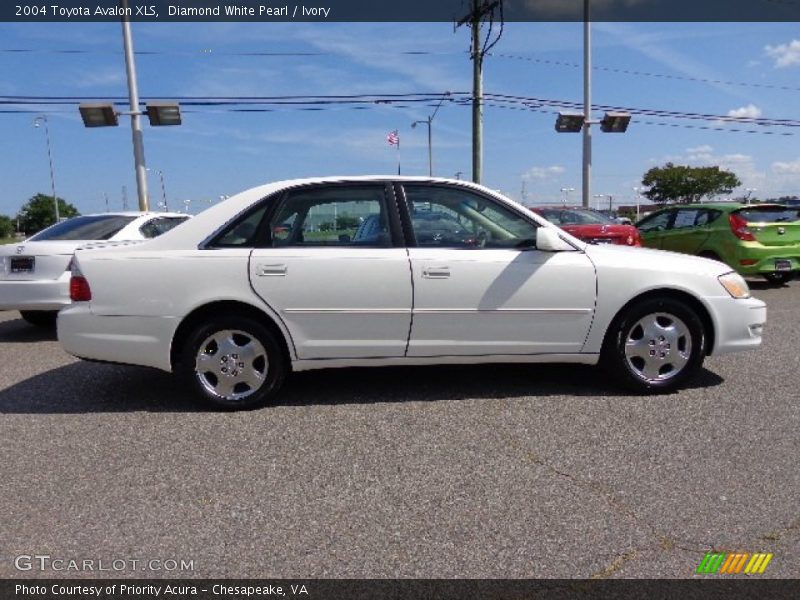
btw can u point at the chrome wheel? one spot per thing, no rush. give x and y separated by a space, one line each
231 364
658 347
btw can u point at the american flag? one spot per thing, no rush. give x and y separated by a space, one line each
393 138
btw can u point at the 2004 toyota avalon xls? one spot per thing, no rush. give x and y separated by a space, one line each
343 272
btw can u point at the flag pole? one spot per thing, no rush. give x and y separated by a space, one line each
398 153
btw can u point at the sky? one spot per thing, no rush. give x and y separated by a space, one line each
745 70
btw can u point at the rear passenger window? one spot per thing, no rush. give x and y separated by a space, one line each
333 216
160 225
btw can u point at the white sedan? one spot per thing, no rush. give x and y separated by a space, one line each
376 271
34 278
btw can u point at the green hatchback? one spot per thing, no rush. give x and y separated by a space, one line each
753 239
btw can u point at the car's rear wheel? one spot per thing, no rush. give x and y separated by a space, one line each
40 318
655 345
233 363
778 278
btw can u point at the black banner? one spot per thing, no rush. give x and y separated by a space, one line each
405 11
398 589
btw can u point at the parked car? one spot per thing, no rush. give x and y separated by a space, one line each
614 216
590 225
231 308
756 239
35 275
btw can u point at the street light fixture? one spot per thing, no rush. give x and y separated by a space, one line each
105 114
566 191
98 114
36 122
615 122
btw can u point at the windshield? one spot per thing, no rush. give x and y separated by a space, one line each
99 227
771 214
574 216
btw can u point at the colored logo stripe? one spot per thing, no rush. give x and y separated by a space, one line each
733 563
758 563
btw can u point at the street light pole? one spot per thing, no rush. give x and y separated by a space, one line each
637 191
163 188
566 191
36 121
136 125
429 122
587 104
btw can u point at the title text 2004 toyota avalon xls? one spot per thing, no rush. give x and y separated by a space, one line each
339 272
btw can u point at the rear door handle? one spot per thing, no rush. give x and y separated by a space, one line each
271 270
436 272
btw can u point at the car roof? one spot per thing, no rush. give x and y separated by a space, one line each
724 205
562 207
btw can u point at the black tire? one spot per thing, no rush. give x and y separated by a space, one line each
45 319
245 367
671 340
778 278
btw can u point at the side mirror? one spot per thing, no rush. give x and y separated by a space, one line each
548 240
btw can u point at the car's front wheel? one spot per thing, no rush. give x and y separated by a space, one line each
778 278
655 345
233 363
40 318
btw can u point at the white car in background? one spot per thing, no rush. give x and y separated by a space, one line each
377 271
35 272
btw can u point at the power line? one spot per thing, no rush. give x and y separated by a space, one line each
624 71
245 104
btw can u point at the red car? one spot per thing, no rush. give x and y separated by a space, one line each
589 225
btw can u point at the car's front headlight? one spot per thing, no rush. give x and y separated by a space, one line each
735 285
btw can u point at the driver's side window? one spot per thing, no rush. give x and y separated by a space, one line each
445 217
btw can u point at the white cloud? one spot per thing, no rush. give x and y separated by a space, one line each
700 150
784 55
544 172
751 111
787 168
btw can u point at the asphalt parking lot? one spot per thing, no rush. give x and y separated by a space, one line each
497 471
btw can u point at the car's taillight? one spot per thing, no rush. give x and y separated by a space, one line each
79 290
634 239
740 229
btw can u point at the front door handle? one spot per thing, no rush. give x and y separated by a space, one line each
271 270
436 272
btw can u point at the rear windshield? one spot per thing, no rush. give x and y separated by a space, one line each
99 227
773 214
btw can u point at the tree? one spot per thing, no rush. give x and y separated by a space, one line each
39 212
6 226
673 183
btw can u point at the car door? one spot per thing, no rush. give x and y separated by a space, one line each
480 285
340 292
688 231
653 227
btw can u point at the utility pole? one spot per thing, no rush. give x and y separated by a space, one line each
136 125
481 9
